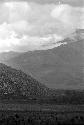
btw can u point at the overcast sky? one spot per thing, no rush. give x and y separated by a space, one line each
70 2
32 24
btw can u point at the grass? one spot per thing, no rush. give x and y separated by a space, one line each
40 107
40 114
41 118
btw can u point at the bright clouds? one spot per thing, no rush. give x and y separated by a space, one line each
17 10
70 17
28 26
11 41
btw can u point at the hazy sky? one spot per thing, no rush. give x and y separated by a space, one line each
32 24
70 2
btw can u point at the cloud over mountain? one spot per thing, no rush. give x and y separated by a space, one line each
30 25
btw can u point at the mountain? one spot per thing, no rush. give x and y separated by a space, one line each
7 55
78 35
15 82
60 67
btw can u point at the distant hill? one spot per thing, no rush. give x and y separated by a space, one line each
15 82
60 68
8 55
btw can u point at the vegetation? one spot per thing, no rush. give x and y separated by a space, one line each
41 118
16 82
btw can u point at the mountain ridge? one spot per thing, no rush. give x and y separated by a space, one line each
60 67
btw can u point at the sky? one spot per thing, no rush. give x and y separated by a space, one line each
38 24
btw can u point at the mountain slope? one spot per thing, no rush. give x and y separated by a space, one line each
61 67
7 55
17 83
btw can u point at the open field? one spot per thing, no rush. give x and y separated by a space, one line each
44 112
30 114
41 107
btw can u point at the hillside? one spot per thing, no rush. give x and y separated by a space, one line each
8 55
16 86
15 82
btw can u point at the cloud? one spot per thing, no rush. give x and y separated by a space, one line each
70 17
28 26
17 10
67 14
10 41
81 25
70 2
21 27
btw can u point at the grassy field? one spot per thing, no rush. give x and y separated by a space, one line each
36 114
40 107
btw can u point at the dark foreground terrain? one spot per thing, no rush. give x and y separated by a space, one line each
25 101
30 114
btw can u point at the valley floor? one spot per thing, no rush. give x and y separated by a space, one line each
41 107
44 114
